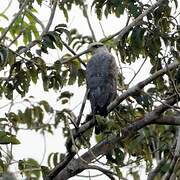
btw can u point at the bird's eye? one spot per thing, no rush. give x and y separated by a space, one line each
97 45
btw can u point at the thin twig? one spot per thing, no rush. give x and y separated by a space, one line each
137 71
158 100
102 29
16 38
82 109
121 33
104 171
73 52
88 21
46 29
172 80
3 12
78 132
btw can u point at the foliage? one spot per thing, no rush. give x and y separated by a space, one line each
24 45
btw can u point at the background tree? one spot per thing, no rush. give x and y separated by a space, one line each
142 125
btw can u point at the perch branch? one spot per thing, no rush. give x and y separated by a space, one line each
105 146
89 124
140 85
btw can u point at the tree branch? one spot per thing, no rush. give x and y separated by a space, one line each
168 120
140 85
60 166
13 21
72 51
175 158
89 124
50 18
156 170
88 21
105 146
121 33
46 29
104 171
82 109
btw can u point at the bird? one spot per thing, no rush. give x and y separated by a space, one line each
101 78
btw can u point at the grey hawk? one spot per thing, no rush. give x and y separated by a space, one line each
101 78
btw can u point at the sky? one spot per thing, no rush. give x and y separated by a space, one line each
33 144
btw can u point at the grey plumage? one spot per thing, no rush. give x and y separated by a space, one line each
101 78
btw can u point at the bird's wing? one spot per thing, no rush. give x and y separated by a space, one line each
101 78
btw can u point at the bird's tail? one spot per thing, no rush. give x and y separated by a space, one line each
97 127
103 111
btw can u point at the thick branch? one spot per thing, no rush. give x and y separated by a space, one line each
168 120
60 166
51 17
118 100
141 85
105 146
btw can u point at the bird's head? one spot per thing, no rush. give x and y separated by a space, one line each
97 47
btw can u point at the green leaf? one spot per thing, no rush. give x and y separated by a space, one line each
55 158
49 39
2 166
46 106
27 36
65 12
3 56
45 171
73 68
28 117
81 77
11 58
39 2
27 166
7 138
49 159
65 94
4 16
137 39
35 31
32 72
120 155
40 63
